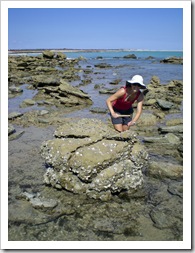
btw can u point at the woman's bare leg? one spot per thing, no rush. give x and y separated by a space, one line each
118 127
125 127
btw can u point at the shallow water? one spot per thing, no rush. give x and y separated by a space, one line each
122 69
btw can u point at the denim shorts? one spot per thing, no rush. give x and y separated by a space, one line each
122 120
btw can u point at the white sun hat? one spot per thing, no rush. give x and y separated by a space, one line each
139 80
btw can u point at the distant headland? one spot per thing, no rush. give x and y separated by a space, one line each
40 50
63 50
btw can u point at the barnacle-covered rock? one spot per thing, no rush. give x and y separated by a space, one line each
88 157
117 177
57 152
88 161
83 128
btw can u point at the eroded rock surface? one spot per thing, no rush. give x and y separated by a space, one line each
90 157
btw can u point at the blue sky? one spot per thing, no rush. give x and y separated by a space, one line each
96 28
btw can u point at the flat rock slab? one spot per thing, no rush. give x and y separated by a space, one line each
165 170
85 128
14 115
43 203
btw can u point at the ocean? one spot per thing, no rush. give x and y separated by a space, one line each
115 53
146 64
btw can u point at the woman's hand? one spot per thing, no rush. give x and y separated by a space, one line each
131 123
115 115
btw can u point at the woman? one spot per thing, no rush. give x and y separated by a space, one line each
120 104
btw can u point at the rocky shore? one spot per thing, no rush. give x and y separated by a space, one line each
77 178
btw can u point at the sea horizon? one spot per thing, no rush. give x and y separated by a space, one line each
91 50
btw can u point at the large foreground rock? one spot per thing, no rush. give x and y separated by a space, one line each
89 157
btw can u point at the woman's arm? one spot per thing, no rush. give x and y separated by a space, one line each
111 99
140 101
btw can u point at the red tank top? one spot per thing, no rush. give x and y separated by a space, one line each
122 104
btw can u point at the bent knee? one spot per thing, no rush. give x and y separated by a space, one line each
118 128
125 128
